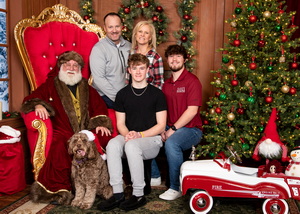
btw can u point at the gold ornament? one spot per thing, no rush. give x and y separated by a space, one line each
231 130
248 83
230 116
285 89
212 111
267 14
231 67
218 81
282 59
233 24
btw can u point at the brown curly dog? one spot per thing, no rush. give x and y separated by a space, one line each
89 172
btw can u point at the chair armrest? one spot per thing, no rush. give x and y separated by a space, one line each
39 134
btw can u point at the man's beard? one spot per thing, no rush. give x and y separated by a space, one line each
69 79
175 69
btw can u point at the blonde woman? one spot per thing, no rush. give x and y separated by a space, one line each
144 42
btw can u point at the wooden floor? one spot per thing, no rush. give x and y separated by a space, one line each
7 200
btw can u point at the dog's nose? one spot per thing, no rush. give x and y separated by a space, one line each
78 145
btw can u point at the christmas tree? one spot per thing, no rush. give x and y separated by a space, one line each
259 72
87 11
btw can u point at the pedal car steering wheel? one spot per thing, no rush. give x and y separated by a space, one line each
234 153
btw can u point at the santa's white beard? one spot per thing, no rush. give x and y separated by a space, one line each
269 149
69 77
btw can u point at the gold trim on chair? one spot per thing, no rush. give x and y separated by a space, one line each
58 13
39 156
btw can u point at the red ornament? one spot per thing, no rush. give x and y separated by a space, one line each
217 93
252 66
252 18
269 99
218 110
261 43
294 65
293 91
154 18
146 4
161 33
205 122
124 28
234 82
237 43
280 11
186 17
159 9
284 38
240 110
86 17
127 10
183 38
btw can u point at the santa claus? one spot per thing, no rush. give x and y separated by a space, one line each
270 145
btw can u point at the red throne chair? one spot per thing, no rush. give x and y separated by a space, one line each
40 41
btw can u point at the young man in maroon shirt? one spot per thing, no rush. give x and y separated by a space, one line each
183 92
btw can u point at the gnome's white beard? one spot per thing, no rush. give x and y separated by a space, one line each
269 149
69 77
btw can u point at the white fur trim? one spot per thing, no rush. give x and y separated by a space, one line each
12 140
103 156
90 134
10 131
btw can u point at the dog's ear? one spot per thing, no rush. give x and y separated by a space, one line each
70 147
92 150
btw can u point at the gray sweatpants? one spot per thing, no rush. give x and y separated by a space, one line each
135 151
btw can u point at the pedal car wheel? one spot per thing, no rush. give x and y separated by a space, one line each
278 206
201 202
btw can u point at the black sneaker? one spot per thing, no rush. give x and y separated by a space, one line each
133 202
110 203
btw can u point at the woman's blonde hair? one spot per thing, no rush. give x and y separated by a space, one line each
152 42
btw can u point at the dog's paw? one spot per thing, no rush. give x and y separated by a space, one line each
86 206
76 203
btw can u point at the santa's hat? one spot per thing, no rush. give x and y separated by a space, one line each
9 135
92 137
271 133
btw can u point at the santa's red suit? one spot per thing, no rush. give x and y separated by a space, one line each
270 145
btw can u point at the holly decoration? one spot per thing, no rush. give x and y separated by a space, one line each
149 9
87 11
186 35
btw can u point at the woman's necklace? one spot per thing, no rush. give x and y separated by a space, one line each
138 95
143 52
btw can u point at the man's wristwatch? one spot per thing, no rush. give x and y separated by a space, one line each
173 128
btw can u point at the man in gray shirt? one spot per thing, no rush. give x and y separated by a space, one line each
108 60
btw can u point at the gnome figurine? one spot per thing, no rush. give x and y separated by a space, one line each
293 169
270 145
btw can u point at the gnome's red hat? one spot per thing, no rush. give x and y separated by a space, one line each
271 133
